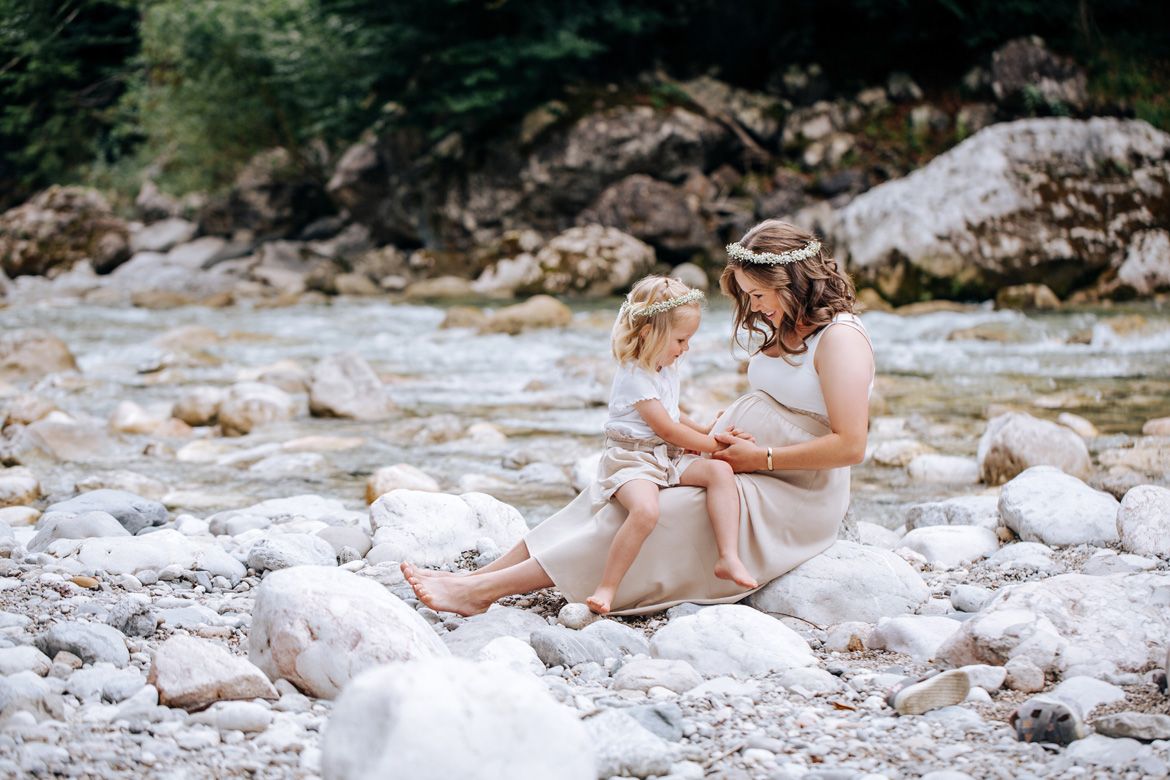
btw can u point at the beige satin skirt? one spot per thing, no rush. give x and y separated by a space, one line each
786 517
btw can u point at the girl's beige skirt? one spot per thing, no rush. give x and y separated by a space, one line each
626 458
785 518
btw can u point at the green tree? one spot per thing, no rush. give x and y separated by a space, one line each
62 71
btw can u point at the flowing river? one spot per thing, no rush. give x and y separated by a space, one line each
939 374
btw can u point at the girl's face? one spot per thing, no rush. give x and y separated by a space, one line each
682 327
760 299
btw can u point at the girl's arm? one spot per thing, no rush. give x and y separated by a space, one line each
687 421
844 362
677 433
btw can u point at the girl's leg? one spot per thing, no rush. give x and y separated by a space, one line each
640 498
472 595
723 508
518 554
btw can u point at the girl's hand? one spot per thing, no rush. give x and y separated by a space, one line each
741 453
711 427
742 434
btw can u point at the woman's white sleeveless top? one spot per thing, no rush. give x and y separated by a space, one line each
794 381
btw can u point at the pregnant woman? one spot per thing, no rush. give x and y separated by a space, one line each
811 373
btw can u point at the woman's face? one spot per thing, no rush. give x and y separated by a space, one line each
760 298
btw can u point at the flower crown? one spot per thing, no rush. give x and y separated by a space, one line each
739 252
694 296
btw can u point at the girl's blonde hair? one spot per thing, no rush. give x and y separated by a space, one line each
811 291
638 337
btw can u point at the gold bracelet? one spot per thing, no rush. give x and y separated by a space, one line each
769 459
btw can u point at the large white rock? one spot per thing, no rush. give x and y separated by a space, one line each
918 636
1071 624
1046 505
192 673
156 551
847 582
398 476
948 546
1016 441
345 386
983 211
730 639
400 720
478 631
74 525
1143 521
18 486
320 627
281 551
430 529
247 405
982 511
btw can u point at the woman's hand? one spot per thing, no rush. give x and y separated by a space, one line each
742 434
741 453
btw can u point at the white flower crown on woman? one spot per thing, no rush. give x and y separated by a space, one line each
694 296
739 252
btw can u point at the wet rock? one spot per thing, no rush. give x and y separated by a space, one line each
981 212
320 627
1069 624
18 486
1143 521
731 639
539 311
1027 297
345 386
247 405
27 354
132 511
430 529
1045 505
192 673
199 405
399 476
91 642
1015 441
396 721
882 585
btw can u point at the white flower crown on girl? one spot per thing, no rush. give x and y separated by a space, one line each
694 296
740 252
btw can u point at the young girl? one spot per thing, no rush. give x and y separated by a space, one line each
646 436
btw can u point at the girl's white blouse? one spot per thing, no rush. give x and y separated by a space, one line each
633 383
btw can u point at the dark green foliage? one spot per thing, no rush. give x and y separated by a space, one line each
61 74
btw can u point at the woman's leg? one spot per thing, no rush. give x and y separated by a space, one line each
518 554
640 498
723 508
472 595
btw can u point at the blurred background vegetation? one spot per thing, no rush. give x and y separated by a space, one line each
99 91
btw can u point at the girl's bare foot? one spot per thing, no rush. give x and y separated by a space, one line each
734 570
601 601
446 594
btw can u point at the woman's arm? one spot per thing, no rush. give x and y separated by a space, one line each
677 433
844 363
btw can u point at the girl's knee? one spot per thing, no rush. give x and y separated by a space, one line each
645 517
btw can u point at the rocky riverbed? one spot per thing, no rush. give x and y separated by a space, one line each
202 512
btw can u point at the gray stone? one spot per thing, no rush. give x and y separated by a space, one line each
1143 521
982 511
731 639
1144 726
477 631
281 551
970 598
132 511
664 719
619 638
560 646
1045 505
74 525
91 642
28 692
624 747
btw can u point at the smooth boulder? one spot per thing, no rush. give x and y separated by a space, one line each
1045 505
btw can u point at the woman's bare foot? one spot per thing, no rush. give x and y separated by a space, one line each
446 594
602 600
734 570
